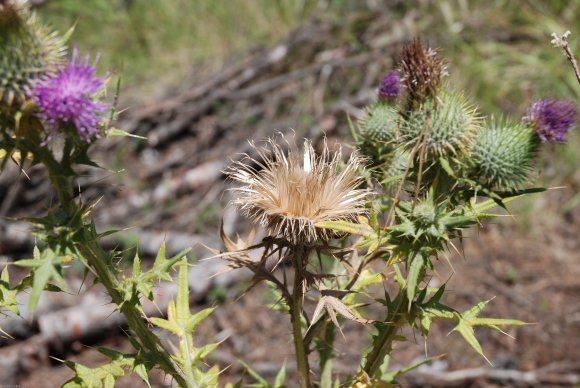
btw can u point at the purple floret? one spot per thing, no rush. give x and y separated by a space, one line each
552 119
390 86
69 97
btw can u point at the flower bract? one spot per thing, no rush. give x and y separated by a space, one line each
290 193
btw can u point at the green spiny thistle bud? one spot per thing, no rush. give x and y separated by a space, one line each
425 213
450 125
502 154
400 163
28 49
379 123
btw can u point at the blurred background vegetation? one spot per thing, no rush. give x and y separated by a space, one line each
499 49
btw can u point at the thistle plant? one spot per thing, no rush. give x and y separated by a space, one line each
52 112
289 196
428 167
441 168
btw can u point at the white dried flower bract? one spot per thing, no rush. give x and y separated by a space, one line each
289 194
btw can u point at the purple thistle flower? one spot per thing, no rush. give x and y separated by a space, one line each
552 119
69 97
390 86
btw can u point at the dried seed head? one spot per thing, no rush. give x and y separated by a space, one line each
422 73
290 193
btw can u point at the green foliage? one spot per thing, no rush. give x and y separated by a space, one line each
106 375
260 382
464 322
7 296
141 283
182 323
46 267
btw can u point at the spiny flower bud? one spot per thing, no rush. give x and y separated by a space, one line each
552 119
379 123
399 163
390 86
502 154
292 192
28 50
424 213
70 97
422 73
449 125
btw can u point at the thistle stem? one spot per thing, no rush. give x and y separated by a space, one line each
97 259
383 345
300 255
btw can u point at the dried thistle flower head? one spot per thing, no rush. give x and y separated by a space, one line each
422 72
291 192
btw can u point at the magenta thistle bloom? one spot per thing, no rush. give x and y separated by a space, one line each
390 86
552 119
70 97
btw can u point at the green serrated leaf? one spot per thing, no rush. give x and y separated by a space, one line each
326 375
7 294
347 227
182 301
204 351
166 324
280 381
495 322
141 371
475 310
416 265
262 383
45 268
194 320
438 295
444 163
468 334
391 376
116 132
136 266
104 375
160 259
162 265
365 279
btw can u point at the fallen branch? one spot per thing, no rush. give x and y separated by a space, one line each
463 377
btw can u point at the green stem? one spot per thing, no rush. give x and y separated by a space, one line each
97 259
300 254
383 345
